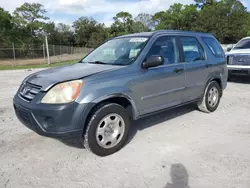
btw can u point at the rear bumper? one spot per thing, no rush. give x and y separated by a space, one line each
238 69
56 121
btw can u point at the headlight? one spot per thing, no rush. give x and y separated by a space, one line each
63 93
230 60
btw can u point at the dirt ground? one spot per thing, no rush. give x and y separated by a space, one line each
174 149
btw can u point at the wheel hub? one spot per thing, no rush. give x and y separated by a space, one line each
110 130
213 97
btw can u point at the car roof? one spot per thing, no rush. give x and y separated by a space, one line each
245 38
149 34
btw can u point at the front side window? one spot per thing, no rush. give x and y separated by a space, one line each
192 49
167 48
120 51
214 46
243 44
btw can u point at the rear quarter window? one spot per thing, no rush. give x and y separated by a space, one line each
214 47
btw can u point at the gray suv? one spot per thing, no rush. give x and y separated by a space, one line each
124 79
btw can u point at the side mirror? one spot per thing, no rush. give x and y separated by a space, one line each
229 49
153 61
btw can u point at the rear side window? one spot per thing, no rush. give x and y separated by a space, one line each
214 46
192 49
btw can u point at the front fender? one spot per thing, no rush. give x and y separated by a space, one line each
98 95
95 97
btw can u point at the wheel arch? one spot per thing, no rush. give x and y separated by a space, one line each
217 79
202 102
121 99
118 98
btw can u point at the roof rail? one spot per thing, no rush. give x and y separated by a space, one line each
181 31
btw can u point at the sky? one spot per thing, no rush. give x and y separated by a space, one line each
67 11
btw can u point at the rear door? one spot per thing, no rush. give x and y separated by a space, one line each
196 67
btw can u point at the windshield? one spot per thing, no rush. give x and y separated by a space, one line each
243 44
120 51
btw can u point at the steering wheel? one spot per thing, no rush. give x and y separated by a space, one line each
122 54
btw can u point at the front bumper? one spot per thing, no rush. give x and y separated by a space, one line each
56 121
238 69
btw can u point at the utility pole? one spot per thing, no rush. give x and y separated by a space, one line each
44 53
14 54
47 48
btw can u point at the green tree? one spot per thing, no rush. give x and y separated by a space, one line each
146 20
247 27
65 34
177 17
160 19
60 34
170 19
202 3
29 20
226 19
138 27
5 26
123 24
88 32
190 16
97 38
30 13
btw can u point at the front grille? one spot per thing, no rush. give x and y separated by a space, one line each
28 91
23 115
239 59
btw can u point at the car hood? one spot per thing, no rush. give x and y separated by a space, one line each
52 76
239 51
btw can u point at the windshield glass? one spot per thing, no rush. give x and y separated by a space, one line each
243 44
120 51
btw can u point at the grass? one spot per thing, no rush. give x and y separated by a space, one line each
10 67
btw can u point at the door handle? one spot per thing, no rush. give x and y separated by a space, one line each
177 70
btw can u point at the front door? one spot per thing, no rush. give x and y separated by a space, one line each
161 87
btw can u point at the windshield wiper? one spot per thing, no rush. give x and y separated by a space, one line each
98 62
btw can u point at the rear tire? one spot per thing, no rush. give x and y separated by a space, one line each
211 98
107 129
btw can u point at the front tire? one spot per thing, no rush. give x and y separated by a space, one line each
107 129
211 98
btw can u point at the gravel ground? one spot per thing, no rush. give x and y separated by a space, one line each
174 149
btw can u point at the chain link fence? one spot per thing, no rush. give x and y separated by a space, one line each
15 54
30 54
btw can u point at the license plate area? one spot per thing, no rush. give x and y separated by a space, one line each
241 71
